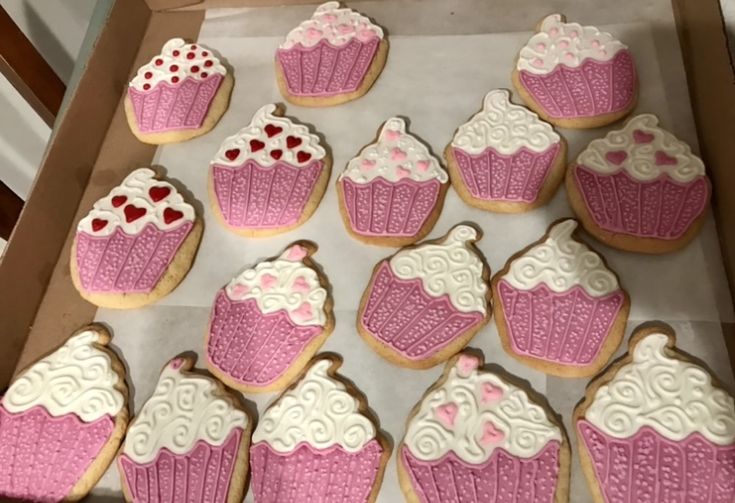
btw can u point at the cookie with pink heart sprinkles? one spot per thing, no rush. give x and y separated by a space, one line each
136 244
180 94
477 436
576 76
639 188
269 177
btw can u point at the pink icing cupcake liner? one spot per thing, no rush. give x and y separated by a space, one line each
387 208
401 314
501 479
492 176
251 347
201 475
662 208
331 475
43 457
650 468
593 88
326 70
120 262
250 196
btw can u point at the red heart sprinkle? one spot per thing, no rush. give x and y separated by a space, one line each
232 154
98 224
276 154
303 156
642 137
118 201
293 142
133 213
171 215
158 193
272 130
256 145
616 157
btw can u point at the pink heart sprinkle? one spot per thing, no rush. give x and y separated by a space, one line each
563 44
345 28
392 134
402 172
329 18
239 291
397 154
367 164
596 44
616 157
313 33
538 62
642 137
300 285
569 56
268 281
447 414
491 393
466 364
365 35
664 159
573 34
296 253
423 166
491 435
304 311
554 32
541 47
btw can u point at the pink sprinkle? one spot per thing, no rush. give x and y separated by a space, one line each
491 393
176 363
423 166
595 44
538 62
554 32
664 159
541 47
365 35
569 56
397 154
447 413
563 44
296 253
300 285
367 164
268 281
402 172
329 18
466 364
616 157
491 435
313 33
573 34
239 291
304 311
392 134
345 28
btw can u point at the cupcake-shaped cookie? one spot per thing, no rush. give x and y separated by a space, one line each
189 442
576 76
332 58
427 301
476 437
505 158
268 322
62 420
657 427
392 193
316 444
558 306
270 176
136 244
639 188
181 93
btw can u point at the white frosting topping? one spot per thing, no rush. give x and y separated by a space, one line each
395 156
449 267
139 200
177 62
318 411
77 378
561 262
676 398
337 25
269 139
475 412
505 127
644 150
184 409
568 44
285 283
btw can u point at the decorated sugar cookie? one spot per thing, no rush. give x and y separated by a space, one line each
62 420
180 94
424 303
269 321
657 427
576 76
136 244
332 58
558 306
270 176
639 188
315 443
505 158
189 442
392 193
476 437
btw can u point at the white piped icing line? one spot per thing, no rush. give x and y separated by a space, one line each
270 139
504 127
676 398
77 378
395 156
644 150
561 263
285 283
177 62
319 411
450 267
475 412
184 409
139 200
568 44
337 25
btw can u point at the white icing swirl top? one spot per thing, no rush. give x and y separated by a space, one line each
337 25
77 378
561 262
318 411
269 139
184 409
285 283
644 150
674 397
475 412
568 44
504 127
450 267
177 62
396 155
139 200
